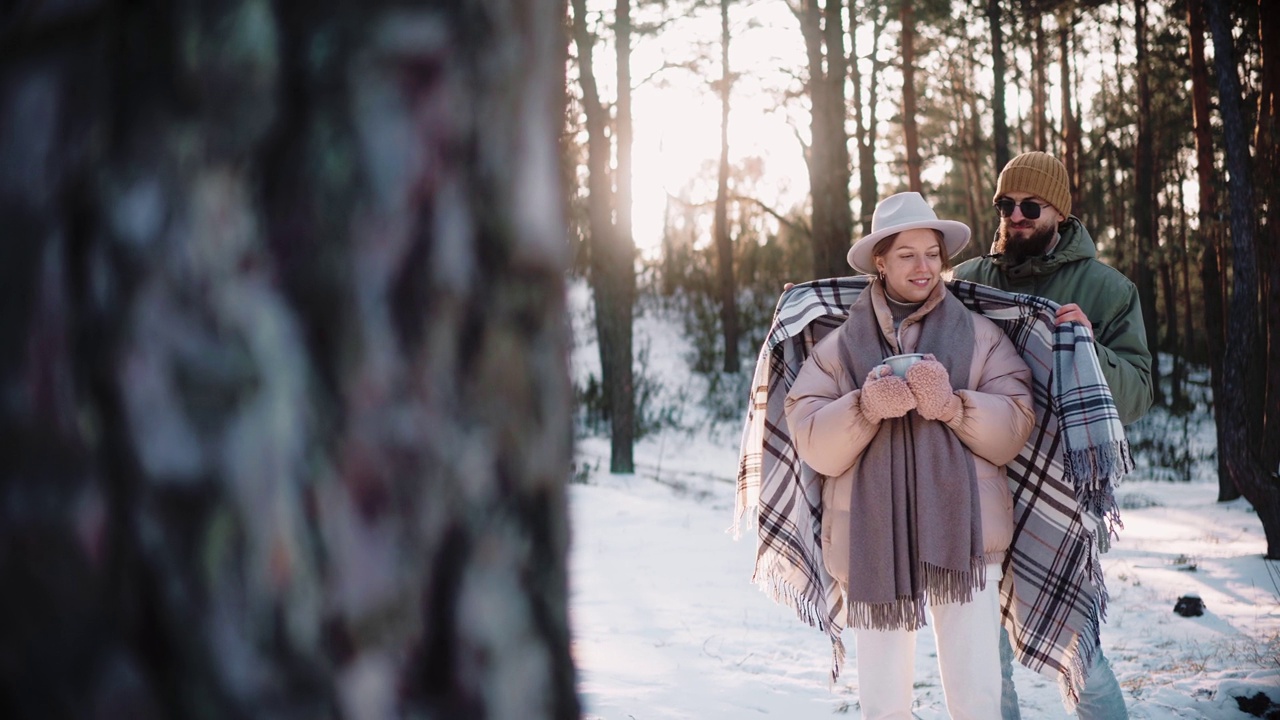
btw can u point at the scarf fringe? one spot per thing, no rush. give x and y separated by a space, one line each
946 586
905 613
942 586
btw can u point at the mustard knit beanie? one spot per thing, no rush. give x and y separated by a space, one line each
1040 174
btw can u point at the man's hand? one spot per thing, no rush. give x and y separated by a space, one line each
1071 312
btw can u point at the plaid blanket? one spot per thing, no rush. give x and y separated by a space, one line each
1052 594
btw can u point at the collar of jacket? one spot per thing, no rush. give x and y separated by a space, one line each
884 315
1074 243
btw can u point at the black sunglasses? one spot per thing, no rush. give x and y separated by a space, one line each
1030 208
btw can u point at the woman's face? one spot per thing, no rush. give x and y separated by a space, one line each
912 266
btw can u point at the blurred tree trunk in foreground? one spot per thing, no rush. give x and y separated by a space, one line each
286 409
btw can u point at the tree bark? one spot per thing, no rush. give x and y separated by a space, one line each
1145 261
999 122
1267 134
1242 374
828 155
612 261
1212 275
1070 128
864 116
1169 293
1039 82
1180 344
968 146
288 413
622 273
910 132
724 243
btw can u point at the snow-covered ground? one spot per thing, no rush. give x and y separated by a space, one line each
667 624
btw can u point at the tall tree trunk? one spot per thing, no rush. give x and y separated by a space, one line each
1039 82
999 121
724 243
287 417
1267 144
966 118
1212 278
612 260
1245 353
864 116
1070 127
1182 348
1187 293
1169 292
828 156
623 128
1145 262
622 273
910 132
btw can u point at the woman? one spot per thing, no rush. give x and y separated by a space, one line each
916 509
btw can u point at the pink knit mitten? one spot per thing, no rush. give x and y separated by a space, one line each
931 385
885 395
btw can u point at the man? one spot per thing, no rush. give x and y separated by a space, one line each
1041 249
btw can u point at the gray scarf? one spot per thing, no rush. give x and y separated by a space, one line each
915 522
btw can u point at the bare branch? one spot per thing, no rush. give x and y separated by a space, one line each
796 225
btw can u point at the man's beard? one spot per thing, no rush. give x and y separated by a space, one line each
1019 248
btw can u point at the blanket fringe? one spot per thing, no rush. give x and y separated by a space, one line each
784 593
771 582
1094 473
1079 659
837 657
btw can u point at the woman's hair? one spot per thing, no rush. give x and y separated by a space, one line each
882 248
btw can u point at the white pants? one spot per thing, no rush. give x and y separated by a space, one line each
967 635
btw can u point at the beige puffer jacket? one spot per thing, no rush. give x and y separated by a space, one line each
830 431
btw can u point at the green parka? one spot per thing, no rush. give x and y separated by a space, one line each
1072 273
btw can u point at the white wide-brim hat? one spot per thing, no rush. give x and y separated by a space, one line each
901 212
